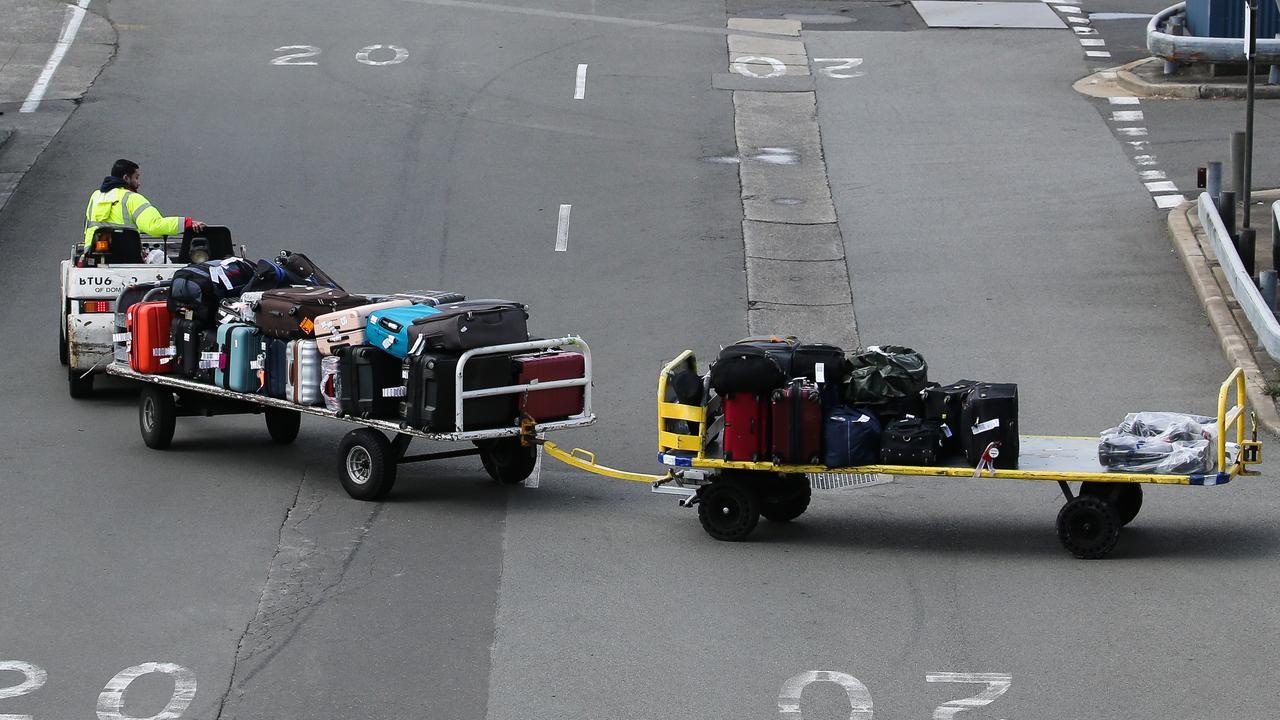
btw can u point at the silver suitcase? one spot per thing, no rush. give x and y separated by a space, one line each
303 386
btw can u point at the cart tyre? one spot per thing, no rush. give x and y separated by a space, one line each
365 464
789 502
79 383
507 460
729 509
157 416
64 350
283 425
1088 527
1126 497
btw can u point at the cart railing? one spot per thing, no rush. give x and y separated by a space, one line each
1233 417
584 382
667 439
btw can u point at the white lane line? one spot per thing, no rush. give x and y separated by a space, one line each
1161 186
1077 20
70 26
1167 201
1122 100
1092 42
1126 115
580 88
1152 175
562 229
1132 131
1097 53
1067 9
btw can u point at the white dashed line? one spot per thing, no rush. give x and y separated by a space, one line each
1164 202
1161 186
1126 115
1145 159
580 88
1066 8
70 26
1092 42
1077 20
1097 53
1152 174
562 229
1085 31
1132 131
1123 100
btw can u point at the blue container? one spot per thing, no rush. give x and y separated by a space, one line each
1219 18
388 328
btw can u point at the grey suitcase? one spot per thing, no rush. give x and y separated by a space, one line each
304 373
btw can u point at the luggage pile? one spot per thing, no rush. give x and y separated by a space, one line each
284 329
775 399
1163 443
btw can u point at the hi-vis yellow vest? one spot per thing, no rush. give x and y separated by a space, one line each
121 208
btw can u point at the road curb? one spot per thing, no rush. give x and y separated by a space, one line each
1128 77
1217 300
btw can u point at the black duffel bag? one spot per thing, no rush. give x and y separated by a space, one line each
888 379
199 288
756 365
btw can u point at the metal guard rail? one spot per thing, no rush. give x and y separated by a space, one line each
1255 309
1193 48
584 382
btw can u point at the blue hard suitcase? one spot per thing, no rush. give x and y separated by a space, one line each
388 328
240 344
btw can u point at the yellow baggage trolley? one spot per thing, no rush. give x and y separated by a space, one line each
731 495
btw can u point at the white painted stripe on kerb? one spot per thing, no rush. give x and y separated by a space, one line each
1066 8
580 88
1126 115
1167 201
562 229
1097 53
1085 31
1092 42
1152 175
1145 160
1078 20
70 26
1122 100
1132 131
1161 186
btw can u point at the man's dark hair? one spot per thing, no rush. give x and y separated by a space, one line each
123 167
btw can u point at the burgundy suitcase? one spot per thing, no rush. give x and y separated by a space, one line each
557 403
796 419
746 427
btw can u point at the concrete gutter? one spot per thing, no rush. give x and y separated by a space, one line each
1193 49
1239 344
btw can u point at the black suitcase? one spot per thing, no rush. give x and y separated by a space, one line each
429 380
187 337
369 383
912 441
943 402
434 298
197 289
989 414
275 367
469 324
756 366
823 364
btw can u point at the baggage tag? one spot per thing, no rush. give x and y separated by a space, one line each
307 325
255 364
982 427
165 352
211 361
120 337
387 342
401 391
820 372
946 430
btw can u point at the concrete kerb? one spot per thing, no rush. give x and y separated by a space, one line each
1216 297
1145 78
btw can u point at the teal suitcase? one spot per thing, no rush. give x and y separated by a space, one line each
241 346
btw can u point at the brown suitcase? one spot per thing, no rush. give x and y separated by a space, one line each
290 313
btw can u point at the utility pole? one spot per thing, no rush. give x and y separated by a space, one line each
1250 53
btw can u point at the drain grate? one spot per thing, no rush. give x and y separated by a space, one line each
840 481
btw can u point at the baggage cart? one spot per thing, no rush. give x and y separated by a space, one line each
367 457
731 496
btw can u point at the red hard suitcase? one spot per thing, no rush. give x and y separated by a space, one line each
149 325
557 403
746 427
796 420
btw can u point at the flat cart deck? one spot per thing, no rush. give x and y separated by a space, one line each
367 458
731 496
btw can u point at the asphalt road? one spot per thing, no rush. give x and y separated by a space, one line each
990 219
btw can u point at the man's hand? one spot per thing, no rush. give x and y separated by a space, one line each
197 225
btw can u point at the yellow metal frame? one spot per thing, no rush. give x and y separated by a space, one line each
1229 418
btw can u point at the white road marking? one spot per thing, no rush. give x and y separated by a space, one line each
36 677
1067 8
1126 115
292 58
742 67
1097 53
580 86
1132 131
111 701
1161 186
1122 100
1092 42
1138 145
70 26
1165 202
997 685
1078 20
1144 159
1152 174
1084 31
845 64
860 707
562 229
584 17
362 55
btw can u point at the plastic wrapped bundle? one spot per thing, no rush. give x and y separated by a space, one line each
1162 443
1168 426
331 383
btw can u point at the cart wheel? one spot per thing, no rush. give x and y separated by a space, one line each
1088 527
365 465
64 352
728 509
507 461
1125 497
283 425
785 498
157 416
79 384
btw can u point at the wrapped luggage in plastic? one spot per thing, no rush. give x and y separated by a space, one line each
1163 443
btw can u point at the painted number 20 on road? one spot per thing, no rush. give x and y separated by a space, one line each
378 55
111 700
860 705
